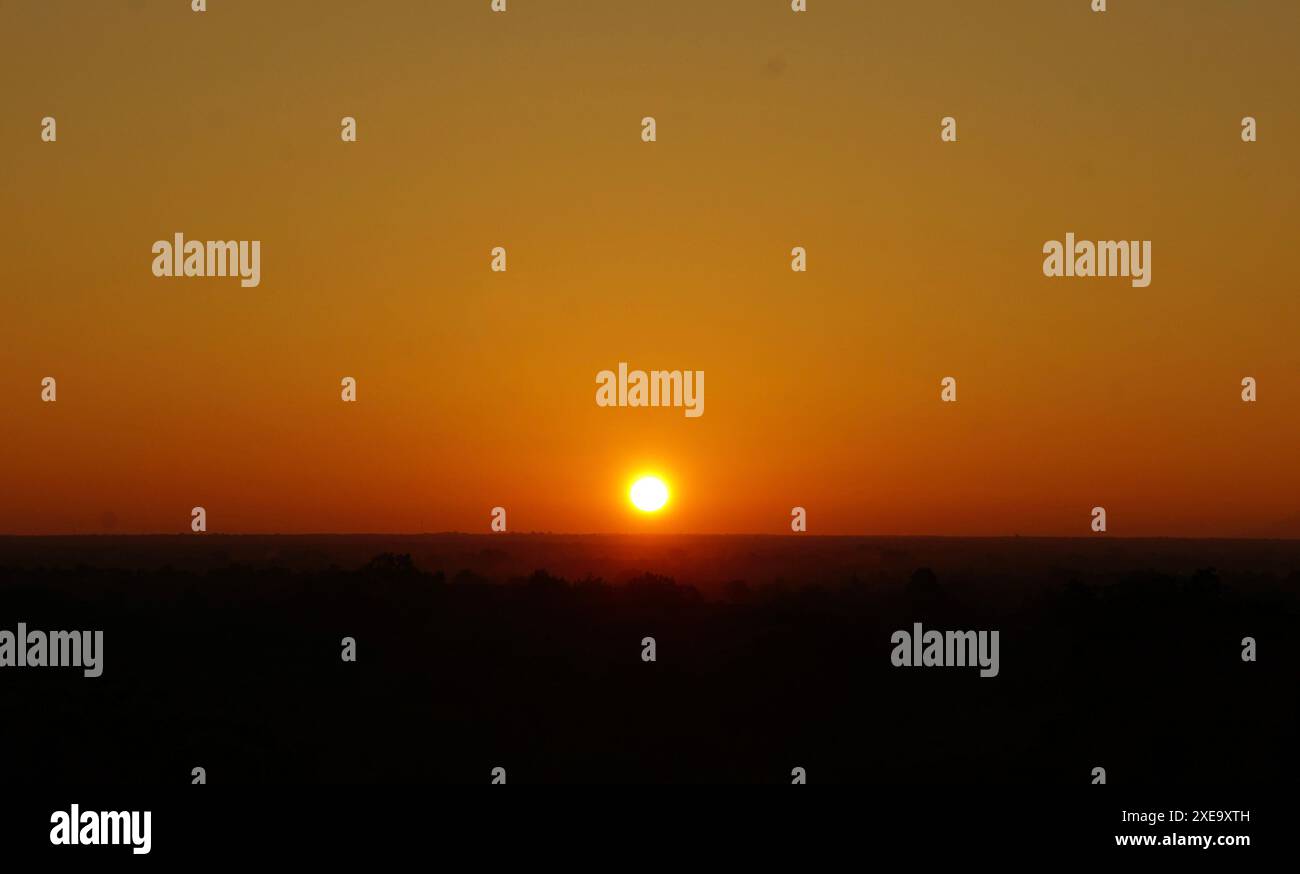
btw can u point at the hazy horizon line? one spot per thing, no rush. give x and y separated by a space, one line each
646 534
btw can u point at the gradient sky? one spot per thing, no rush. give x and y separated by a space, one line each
775 129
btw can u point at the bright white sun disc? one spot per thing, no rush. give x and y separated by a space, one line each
649 493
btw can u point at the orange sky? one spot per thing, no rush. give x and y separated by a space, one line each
775 130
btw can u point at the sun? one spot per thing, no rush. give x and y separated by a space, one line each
648 494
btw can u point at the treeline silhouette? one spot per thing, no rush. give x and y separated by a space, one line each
238 670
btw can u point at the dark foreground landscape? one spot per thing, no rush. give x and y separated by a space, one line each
525 652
